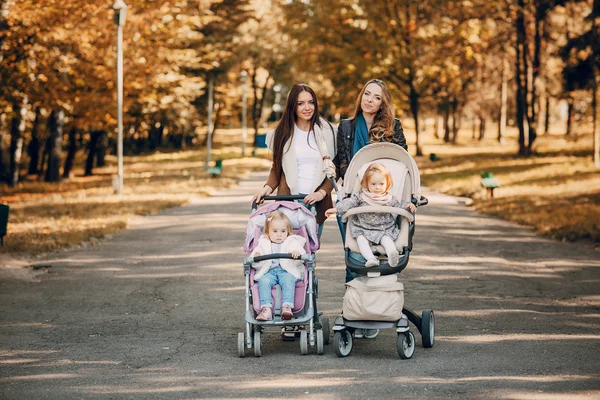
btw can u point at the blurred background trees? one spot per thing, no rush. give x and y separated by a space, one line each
525 63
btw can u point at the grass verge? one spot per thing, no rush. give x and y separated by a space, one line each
557 192
81 210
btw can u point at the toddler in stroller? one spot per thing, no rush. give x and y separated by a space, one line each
278 239
371 229
276 304
374 300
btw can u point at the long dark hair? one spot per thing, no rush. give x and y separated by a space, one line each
285 127
383 123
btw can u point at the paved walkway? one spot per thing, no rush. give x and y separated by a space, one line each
155 311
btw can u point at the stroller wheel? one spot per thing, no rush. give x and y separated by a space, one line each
405 345
257 344
303 343
326 330
241 345
427 328
342 342
319 341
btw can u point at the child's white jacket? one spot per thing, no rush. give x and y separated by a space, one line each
290 244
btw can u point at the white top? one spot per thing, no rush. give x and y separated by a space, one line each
307 159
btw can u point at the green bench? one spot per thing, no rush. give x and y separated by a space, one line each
261 143
3 221
217 169
489 182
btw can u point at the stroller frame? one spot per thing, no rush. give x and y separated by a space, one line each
344 329
318 331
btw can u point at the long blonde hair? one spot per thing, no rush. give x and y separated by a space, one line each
277 215
373 168
383 124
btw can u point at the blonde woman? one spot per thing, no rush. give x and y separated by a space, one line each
373 121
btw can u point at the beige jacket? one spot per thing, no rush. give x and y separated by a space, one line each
325 139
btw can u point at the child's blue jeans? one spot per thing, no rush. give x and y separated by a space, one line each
286 281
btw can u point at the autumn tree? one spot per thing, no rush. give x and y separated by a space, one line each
582 63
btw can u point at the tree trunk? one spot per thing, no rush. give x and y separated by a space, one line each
547 115
45 153
3 151
481 127
139 140
521 75
447 124
595 50
33 149
503 100
55 123
92 147
414 108
258 103
454 105
101 146
570 101
596 128
156 136
71 150
532 120
215 125
473 127
16 141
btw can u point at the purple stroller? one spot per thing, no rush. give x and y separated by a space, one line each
316 330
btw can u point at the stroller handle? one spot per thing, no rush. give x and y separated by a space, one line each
281 198
303 257
423 201
379 209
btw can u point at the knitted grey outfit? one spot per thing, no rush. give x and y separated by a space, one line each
373 226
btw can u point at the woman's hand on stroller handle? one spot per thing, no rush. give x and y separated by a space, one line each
315 197
258 197
289 197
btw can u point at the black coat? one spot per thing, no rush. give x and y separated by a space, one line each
345 143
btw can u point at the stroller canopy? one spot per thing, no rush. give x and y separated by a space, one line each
299 217
380 152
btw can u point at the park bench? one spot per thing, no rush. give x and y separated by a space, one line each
217 169
261 143
3 221
489 182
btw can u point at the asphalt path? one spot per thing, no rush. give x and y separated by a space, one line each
154 312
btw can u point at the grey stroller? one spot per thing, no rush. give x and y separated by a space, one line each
406 187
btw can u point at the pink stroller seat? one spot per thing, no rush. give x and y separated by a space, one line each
299 294
303 224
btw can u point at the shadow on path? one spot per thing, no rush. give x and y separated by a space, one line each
154 313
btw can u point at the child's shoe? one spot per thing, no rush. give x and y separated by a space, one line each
393 259
265 314
372 262
286 312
